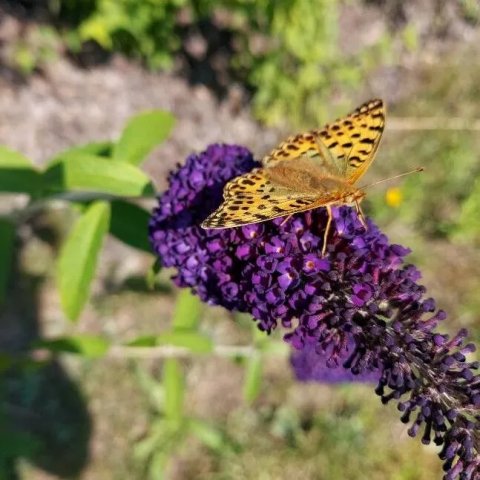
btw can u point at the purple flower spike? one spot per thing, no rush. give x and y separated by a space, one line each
358 311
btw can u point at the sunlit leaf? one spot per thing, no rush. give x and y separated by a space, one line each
78 258
85 345
17 174
209 435
253 378
188 310
141 134
82 171
174 385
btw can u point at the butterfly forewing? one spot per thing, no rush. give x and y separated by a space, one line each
347 145
353 140
292 148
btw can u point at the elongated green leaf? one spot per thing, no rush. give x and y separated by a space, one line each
7 239
157 465
144 341
85 345
17 174
174 385
253 378
192 341
142 133
212 437
129 223
188 310
83 171
78 258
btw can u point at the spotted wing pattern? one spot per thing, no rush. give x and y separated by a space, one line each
350 143
253 198
306 171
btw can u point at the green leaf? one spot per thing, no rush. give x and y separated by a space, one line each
78 258
129 223
144 341
151 386
157 465
253 378
85 345
7 242
210 436
188 310
141 134
174 385
17 174
82 171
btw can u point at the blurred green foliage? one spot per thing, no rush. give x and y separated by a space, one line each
431 201
36 48
291 55
98 180
142 29
287 51
442 202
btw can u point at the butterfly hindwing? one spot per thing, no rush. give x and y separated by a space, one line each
252 198
257 196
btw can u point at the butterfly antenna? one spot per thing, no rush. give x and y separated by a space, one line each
415 170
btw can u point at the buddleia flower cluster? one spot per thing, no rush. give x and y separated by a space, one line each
358 310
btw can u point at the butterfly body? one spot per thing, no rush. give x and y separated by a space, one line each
318 168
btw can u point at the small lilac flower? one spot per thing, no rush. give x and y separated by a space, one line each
358 311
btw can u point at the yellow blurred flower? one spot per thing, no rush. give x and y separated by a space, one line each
394 197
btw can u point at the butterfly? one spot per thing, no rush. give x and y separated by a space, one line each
318 168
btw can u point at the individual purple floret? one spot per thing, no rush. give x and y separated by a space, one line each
360 308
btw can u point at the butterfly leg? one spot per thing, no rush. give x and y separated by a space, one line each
327 230
360 214
285 220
